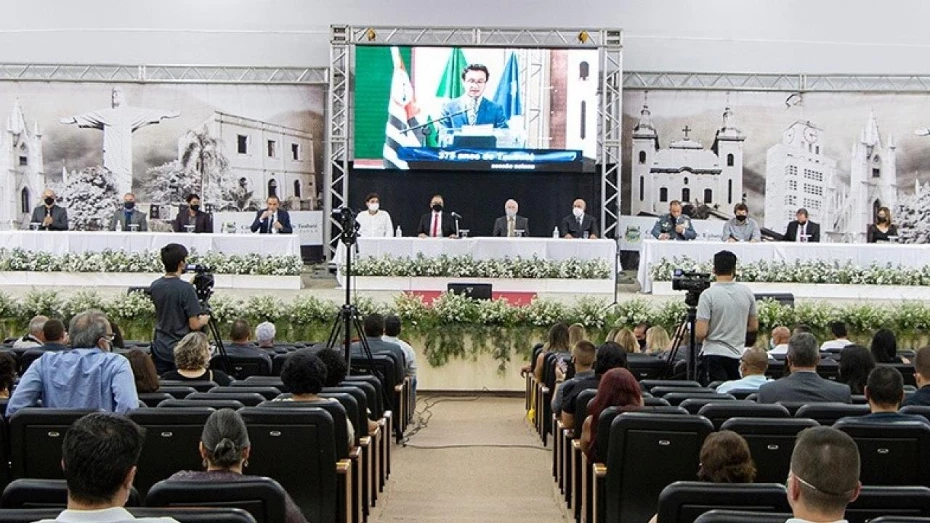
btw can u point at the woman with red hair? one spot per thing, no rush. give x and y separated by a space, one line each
618 388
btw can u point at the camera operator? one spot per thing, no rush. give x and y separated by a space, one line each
726 312
177 309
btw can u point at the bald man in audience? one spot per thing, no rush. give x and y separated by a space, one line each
922 375
752 366
779 340
824 475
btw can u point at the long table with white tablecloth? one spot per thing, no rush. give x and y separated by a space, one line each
77 242
859 254
484 249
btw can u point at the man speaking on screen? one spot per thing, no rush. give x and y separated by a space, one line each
473 108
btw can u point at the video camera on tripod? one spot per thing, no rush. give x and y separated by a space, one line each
693 283
202 281
345 217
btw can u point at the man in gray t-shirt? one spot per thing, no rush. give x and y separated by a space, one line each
726 312
741 228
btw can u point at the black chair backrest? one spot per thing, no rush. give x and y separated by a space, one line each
198 385
360 405
633 483
259 496
353 413
182 515
260 381
277 363
891 453
742 394
247 399
906 370
676 398
741 516
269 393
372 396
647 385
241 367
336 411
46 493
684 501
793 406
26 358
298 448
720 412
656 402
899 519
828 413
176 391
219 402
172 439
904 502
152 399
581 408
661 390
694 405
919 410
776 367
771 442
35 441
645 366
858 399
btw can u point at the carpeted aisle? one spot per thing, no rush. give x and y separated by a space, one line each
476 460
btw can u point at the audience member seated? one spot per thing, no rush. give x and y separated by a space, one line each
839 341
922 375
657 340
7 374
885 347
373 325
752 366
118 341
725 458
803 384
801 327
35 337
143 370
576 333
885 392
99 456
609 356
824 475
856 363
55 336
627 340
392 326
264 335
304 374
336 371
617 388
192 357
778 342
557 341
564 399
225 448
241 347
87 377
640 331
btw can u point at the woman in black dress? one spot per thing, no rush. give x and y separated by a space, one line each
882 230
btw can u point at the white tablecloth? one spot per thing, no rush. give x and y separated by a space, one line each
483 248
860 254
59 243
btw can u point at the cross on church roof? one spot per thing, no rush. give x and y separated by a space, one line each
686 130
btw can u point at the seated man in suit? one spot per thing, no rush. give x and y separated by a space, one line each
50 216
673 226
823 476
272 220
124 219
194 219
436 224
241 347
922 375
802 229
884 391
473 108
510 223
373 325
578 224
803 384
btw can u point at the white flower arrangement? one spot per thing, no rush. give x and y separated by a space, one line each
468 267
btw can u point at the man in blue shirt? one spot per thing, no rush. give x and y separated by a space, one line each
89 376
752 366
884 391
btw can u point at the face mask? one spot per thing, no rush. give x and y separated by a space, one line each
437 207
49 201
129 205
881 219
195 207
577 211
373 207
740 218
510 213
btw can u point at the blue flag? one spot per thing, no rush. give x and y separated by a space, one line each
508 90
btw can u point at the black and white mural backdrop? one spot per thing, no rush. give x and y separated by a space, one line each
93 142
839 155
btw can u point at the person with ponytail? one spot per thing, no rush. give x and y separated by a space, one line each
225 448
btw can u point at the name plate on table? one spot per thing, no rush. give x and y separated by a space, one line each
307 225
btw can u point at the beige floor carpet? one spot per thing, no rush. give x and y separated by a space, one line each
475 460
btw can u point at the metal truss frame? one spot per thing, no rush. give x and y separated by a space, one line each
800 83
344 38
200 74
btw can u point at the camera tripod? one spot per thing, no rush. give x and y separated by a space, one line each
689 319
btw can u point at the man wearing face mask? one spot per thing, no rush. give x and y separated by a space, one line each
89 376
374 222
193 219
437 223
741 228
125 218
673 226
578 224
511 225
50 216
272 219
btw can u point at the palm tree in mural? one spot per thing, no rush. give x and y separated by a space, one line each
202 156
